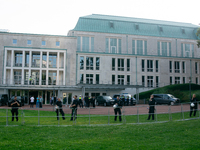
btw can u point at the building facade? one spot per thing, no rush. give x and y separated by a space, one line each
102 55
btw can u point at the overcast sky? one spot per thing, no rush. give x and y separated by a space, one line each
57 17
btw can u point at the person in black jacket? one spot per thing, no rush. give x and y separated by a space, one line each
59 108
118 102
194 101
74 108
151 107
15 104
86 101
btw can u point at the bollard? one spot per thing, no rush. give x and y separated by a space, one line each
169 111
108 116
137 115
6 117
182 111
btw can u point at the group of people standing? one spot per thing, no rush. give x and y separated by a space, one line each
39 102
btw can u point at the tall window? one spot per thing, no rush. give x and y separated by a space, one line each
85 44
149 81
52 60
139 47
27 59
81 62
170 80
120 79
156 65
35 59
164 48
17 77
112 46
149 65
89 63
183 80
177 67
143 63
143 80
81 78
97 63
52 77
177 80
113 63
44 60
128 64
128 80
120 64
197 80
196 67
170 66
157 81
187 50
183 67
89 78
18 59
97 78
113 79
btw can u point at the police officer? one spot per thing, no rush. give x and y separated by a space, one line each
86 101
118 102
59 105
89 101
123 100
194 101
131 100
127 100
74 108
80 101
93 101
151 107
15 104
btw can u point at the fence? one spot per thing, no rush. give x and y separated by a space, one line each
138 114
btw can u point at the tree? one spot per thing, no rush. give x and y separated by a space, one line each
198 35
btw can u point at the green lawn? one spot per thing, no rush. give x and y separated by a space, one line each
168 135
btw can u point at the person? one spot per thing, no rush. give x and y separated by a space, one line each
127 100
93 101
86 101
194 101
123 99
41 101
89 101
15 104
119 104
51 100
74 108
80 101
30 80
131 100
151 107
59 108
32 101
37 102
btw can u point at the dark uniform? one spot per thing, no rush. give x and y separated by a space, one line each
93 102
74 109
151 108
59 104
86 101
118 110
14 109
80 102
131 100
123 100
127 100
193 100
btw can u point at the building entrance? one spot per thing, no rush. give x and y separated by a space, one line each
34 94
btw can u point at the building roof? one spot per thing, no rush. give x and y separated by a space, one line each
136 26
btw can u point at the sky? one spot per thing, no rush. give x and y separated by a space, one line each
57 17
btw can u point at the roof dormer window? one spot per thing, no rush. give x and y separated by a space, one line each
160 29
183 31
111 24
136 26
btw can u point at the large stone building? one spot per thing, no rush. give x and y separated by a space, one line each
102 55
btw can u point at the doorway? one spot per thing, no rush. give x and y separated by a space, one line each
34 94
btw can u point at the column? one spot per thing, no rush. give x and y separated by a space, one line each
58 66
40 81
5 62
47 71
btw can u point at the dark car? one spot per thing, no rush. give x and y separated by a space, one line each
19 98
166 99
3 99
105 100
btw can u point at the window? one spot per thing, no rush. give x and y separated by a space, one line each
183 67
170 80
120 64
149 65
197 80
156 65
14 41
140 47
52 60
97 78
97 63
177 67
27 59
18 59
120 79
143 63
78 43
57 43
113 79
89 63
196 67
29 42
170 66
143 81
92 44
164 48
149 81
85 44
113 63
177 80
44 60
89 78
128 64
52 77
113 45
128 80
157 81
81 78
35 59
183 80
43 43
17 77
81 62
187 50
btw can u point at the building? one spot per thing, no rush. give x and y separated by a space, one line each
102 55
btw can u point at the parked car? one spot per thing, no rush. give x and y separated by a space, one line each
166 99
125 95
19 98
105 100
3 99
